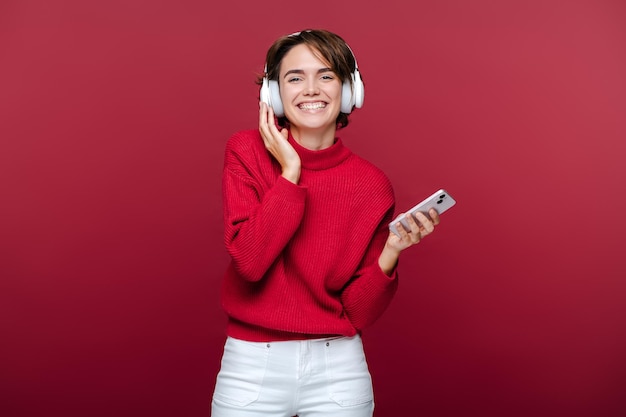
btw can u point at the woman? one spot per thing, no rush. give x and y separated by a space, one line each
306 226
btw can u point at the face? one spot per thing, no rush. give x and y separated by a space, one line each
310 91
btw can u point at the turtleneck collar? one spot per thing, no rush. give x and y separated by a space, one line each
322 159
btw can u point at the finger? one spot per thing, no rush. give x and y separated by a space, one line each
415 235
274 129
267 123
263 129
262 112
426 225
400 229
402 233
267 127
434 216
270 113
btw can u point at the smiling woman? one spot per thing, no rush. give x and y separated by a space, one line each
114 118
297 303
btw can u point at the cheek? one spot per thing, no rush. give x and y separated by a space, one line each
284 93
333 92
337 88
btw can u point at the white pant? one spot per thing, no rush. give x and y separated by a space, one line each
308 378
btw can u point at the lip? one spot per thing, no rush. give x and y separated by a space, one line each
312 103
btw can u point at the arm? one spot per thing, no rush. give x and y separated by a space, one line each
260 214
259 224
370 292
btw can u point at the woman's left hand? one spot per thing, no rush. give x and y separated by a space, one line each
418 230
396 244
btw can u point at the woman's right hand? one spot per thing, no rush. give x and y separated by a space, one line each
276 143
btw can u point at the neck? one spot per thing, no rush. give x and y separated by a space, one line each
314 140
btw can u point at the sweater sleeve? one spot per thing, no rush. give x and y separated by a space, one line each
370 291
260 217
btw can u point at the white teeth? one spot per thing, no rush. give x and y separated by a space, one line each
312 106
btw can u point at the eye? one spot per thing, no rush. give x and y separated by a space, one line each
294 79
328 77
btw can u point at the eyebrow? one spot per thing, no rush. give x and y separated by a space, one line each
299 71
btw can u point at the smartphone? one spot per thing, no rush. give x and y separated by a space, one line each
440 201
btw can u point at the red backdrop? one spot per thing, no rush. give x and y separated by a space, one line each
113 119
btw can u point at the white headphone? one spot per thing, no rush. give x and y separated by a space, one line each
351 96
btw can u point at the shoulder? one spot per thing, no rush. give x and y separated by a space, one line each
245 146
246 153
244 140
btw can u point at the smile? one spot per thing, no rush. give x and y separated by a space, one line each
312 106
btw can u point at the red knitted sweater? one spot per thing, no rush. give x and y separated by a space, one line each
304 257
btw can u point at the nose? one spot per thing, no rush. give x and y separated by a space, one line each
311 87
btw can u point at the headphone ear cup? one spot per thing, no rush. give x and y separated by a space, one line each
270 95
346 98
275 100
352 96
359 90
264 94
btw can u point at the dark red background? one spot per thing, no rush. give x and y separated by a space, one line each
113 119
